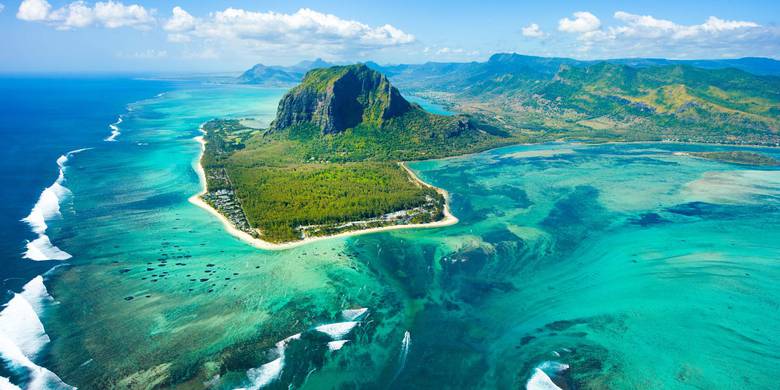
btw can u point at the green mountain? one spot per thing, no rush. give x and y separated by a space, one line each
551 98
339 98
280 76
269 76
353 113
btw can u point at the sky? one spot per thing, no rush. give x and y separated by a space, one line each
229 36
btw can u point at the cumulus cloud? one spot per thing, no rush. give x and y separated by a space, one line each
646 35
646 26
144 54
305 31
33 10
79 14
447 53
583 22
180 21
533 31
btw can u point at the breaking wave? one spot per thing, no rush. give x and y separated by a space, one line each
114 130
353 314
337 330
22 337
541 379
269 372
336 345
47 208
6 384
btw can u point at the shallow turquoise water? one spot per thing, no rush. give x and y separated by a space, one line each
428 105
633 266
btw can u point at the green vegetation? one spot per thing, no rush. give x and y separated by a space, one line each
547 99
280 199
285 195
739 157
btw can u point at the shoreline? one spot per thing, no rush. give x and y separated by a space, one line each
448 220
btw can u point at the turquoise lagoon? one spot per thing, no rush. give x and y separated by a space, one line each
574 266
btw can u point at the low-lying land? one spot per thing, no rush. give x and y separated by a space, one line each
738 157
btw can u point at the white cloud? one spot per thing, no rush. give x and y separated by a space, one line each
533 31
448 53
180 21
79 14
33 10
74 15
145 54
114 15
305 32
447 50
583 22
2 7
646 26
645 35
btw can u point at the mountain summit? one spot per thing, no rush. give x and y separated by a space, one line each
341 97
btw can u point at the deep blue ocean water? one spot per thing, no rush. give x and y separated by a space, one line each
42 118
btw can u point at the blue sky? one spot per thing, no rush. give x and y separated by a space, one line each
143 35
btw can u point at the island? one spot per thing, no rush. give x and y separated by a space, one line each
331 163
738 157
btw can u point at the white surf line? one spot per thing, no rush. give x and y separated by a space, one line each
22 337
338 330
115 131
540 379
47 208
269 372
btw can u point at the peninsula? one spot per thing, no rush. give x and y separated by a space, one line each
331 163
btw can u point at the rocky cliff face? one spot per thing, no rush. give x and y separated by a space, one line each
339 98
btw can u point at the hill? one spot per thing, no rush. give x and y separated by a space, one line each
280 76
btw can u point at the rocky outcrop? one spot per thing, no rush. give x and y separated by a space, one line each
342 97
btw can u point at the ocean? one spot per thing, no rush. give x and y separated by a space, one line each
44 119
572 266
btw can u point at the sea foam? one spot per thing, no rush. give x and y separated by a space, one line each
337 330
267 373
541 380
336 345
5 384
353 314
47 208
22 336
115 131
